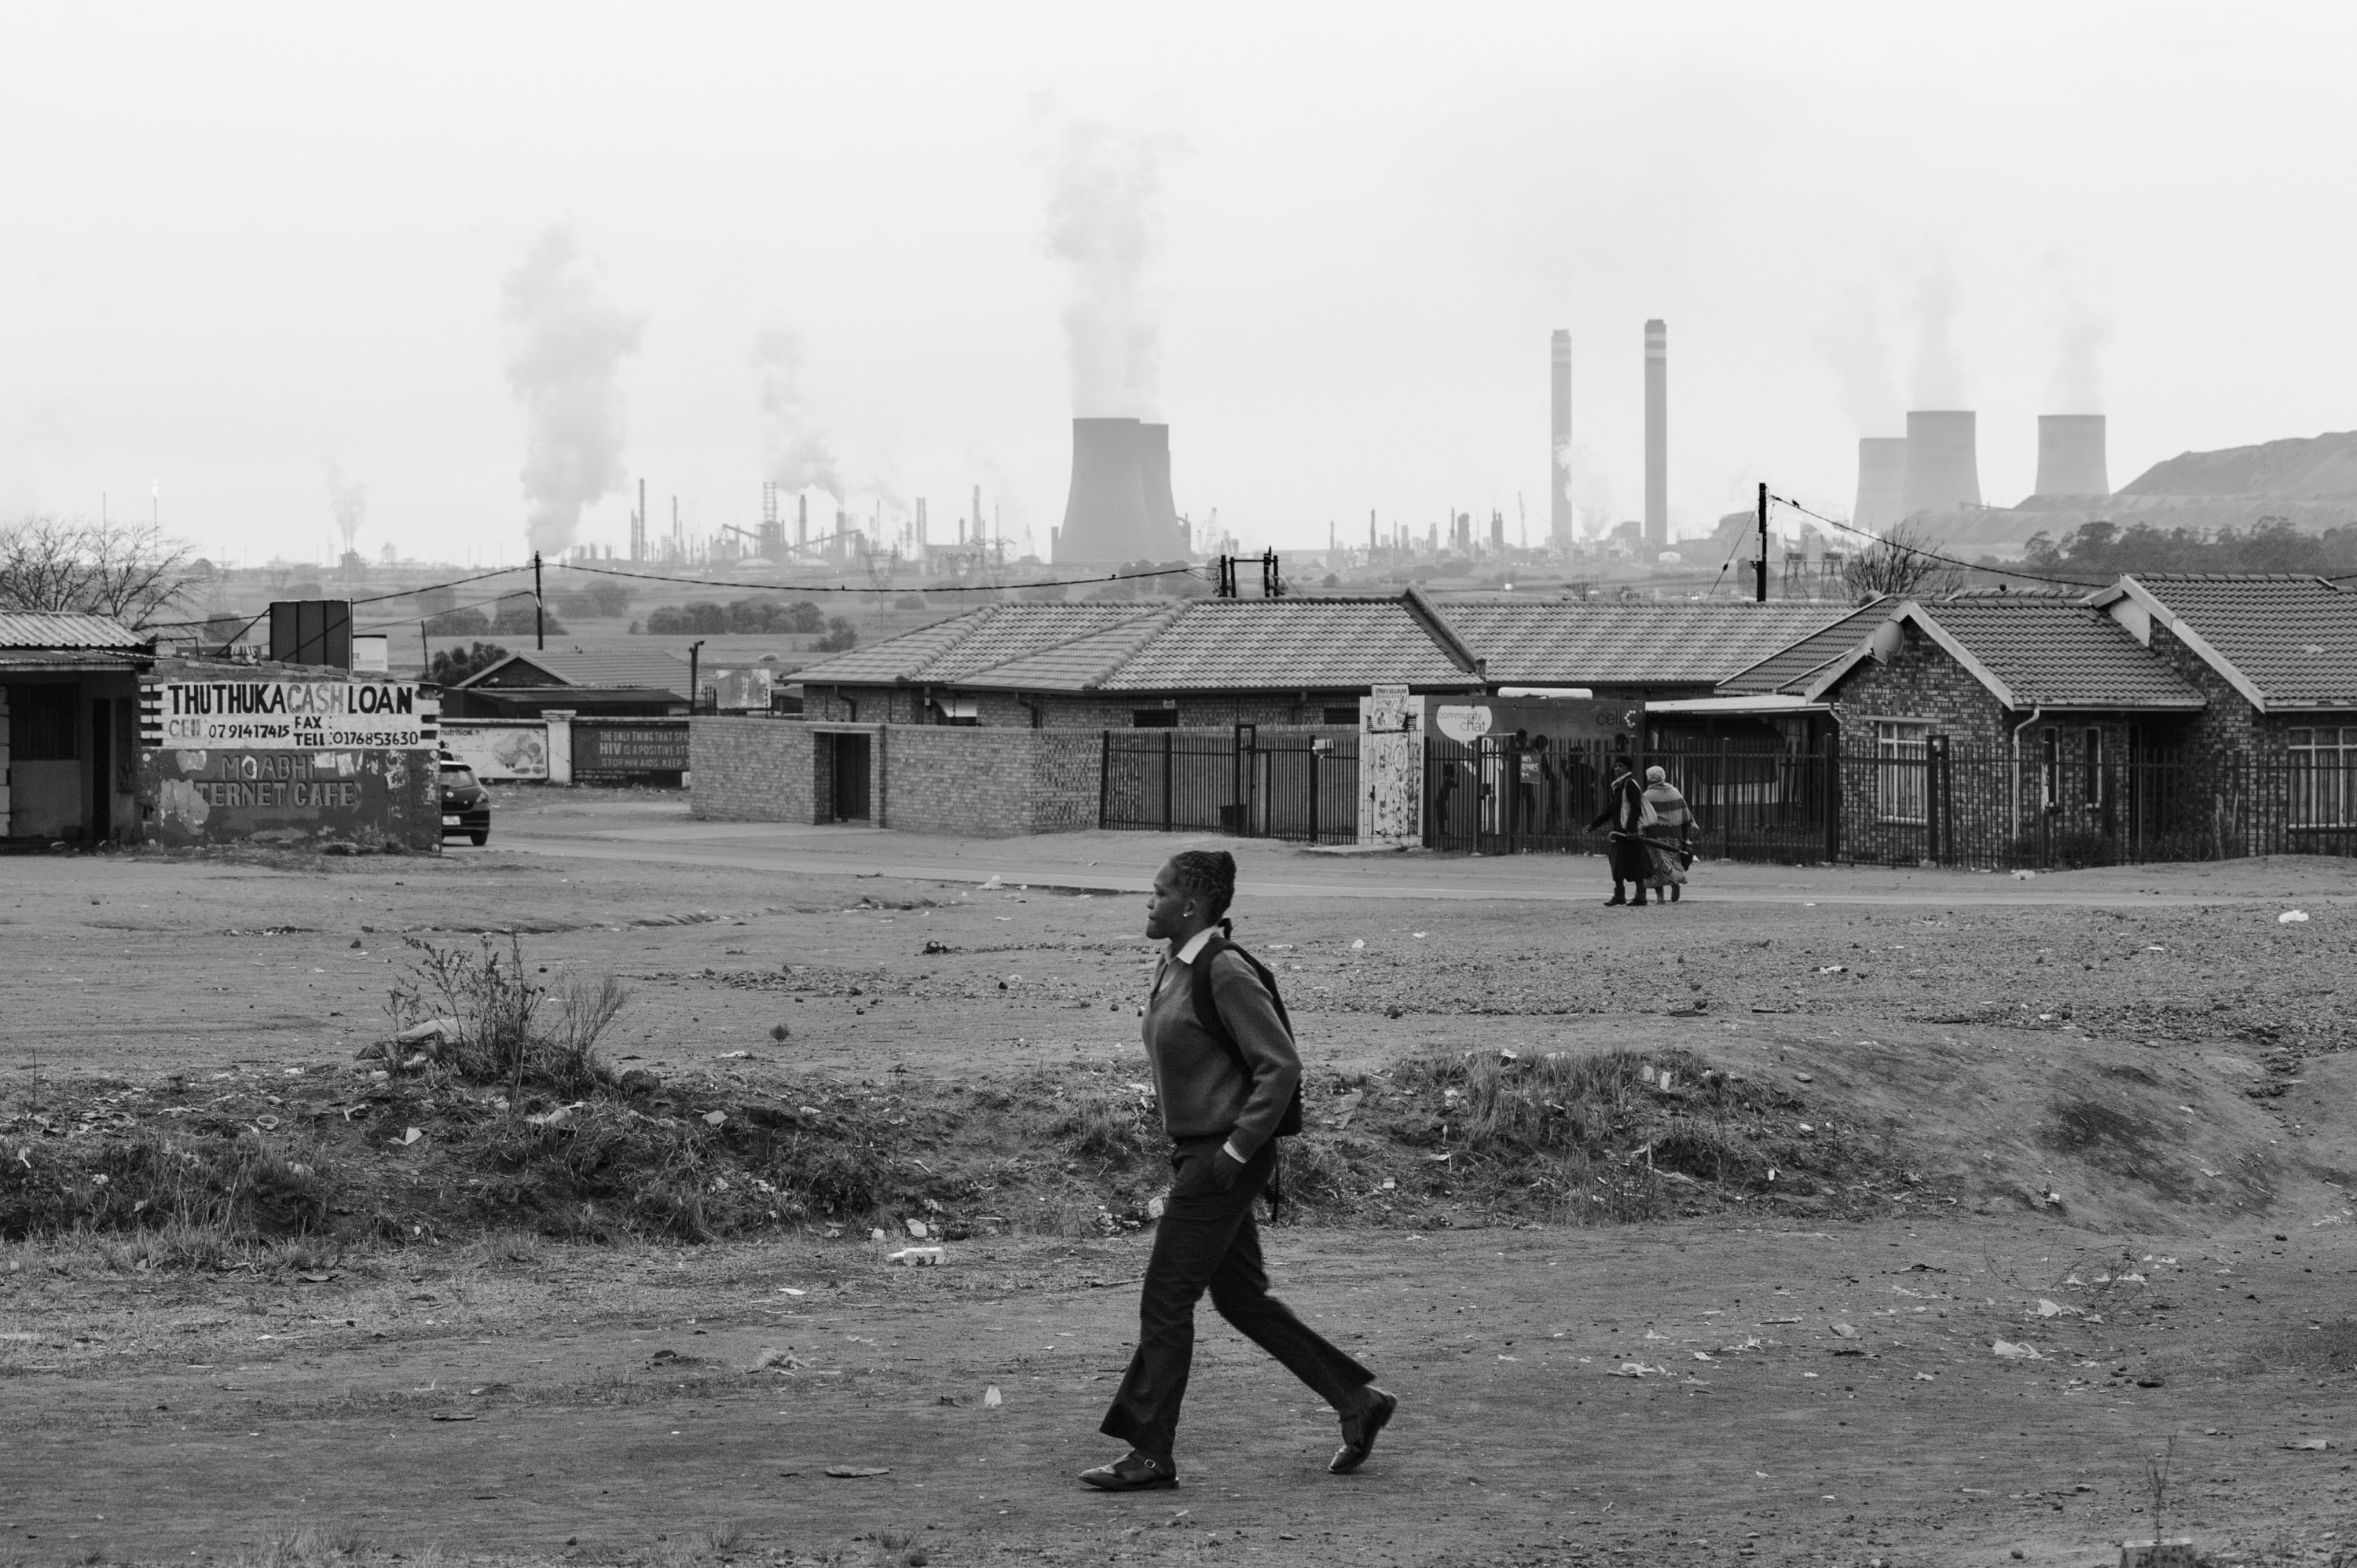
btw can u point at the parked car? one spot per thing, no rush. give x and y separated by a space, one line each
466 804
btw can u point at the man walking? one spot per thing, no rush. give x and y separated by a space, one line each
1227 1076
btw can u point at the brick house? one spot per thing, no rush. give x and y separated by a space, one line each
1200 664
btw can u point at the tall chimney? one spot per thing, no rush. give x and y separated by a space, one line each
1881 481
1106 518
1559 517
2071 456
1161 509
1657 435
1943 462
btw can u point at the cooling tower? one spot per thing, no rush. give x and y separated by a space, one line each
1657 435
1881 481
1559 515
2071 456
1942 463
1106 518
1161 512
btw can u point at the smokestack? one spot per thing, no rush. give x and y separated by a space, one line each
1657 435
1106 515
2071 456
1559 516
1161 509
1881 481
1944 469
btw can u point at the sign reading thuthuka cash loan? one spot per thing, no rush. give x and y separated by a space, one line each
287 715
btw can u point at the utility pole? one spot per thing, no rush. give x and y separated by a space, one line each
539 620
1759 567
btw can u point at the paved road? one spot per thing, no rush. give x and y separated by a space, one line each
661 833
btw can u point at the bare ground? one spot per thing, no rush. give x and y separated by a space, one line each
2146 1082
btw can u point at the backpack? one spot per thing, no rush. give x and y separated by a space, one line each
1207 1014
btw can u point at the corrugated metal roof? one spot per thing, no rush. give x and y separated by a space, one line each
2294 638
2062 653
1789 667
1554 642
64 629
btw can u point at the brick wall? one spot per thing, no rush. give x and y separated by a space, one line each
926 778
752 770
1100 710
1986 794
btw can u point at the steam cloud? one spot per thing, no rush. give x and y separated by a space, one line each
2078 383
1939 377
1852 348
568 340
797 455
348 502
1104 222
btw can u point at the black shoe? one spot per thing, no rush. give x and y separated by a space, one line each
1134 1472
1608 903
1359 1432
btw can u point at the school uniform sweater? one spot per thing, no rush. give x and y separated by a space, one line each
1202 1091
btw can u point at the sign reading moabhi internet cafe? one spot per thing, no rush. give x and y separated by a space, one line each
287 715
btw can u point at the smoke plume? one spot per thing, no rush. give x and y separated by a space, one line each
2077 386
567 342
1854 349
1939 375
1104 223
348 503
796 454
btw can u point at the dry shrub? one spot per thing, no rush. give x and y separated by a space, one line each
508 1029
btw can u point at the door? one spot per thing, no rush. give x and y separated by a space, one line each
101 768
851 761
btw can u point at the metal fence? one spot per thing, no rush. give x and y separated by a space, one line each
1930 801
1290 786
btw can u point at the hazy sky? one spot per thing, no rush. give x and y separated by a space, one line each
702 243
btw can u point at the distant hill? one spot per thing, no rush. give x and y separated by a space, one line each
2316 467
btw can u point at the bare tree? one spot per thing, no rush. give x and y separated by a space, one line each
131 572
1901 562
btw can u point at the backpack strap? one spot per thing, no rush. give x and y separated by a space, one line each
1207 1014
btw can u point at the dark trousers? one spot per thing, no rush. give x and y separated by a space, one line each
1207 1239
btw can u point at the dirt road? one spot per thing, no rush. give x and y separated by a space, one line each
2151 1047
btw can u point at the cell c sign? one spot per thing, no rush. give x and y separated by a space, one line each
1462 725
286 715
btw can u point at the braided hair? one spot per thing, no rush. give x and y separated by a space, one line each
1208 874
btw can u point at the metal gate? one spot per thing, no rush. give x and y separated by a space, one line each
1496 796
1291 786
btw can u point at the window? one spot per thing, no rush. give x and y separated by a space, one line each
2091 762
2323 782
1349 715
1901 757
2050 767
1154 718
42 723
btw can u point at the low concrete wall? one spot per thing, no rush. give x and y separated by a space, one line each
926 778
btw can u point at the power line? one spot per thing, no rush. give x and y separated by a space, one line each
852 588
1932 554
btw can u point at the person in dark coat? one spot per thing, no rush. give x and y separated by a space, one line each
1624 813
1222 1116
